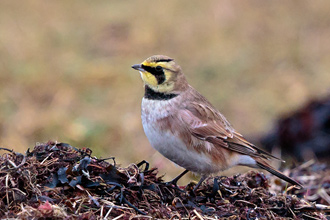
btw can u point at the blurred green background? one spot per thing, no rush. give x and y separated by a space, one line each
65 66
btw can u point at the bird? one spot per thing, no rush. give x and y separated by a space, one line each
187 129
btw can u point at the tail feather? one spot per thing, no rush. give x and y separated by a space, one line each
265 166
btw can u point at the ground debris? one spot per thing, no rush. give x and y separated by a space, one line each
56 180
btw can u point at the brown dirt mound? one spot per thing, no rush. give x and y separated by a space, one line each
56 180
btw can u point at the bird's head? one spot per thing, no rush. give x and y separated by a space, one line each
161 74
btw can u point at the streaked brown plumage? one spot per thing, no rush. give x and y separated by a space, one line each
185 127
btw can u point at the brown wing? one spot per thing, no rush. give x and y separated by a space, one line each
206 123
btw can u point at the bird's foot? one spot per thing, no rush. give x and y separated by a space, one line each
174 182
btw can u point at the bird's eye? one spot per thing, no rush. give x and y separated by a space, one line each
159 68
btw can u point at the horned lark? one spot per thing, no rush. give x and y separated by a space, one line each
186 128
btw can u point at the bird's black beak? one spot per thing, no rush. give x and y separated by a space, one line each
138 67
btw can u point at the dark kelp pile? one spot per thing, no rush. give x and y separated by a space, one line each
56 180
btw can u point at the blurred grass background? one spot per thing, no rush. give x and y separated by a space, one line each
65 66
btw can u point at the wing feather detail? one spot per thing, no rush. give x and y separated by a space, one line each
206 123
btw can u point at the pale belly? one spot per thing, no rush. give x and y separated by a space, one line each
175 150
172 147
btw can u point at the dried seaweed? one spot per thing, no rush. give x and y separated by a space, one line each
56 180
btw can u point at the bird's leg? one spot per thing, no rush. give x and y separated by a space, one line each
176 179
203 177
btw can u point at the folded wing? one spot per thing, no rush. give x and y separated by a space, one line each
206 123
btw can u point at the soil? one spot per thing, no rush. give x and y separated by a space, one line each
56 180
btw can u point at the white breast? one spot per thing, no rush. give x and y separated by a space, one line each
169 145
